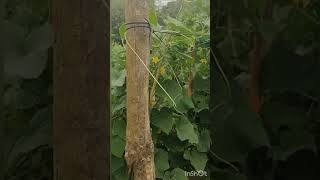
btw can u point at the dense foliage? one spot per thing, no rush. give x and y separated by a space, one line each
180 55
26 37
281 141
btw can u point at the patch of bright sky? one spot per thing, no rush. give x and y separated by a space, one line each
161 3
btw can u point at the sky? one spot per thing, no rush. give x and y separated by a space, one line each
162 2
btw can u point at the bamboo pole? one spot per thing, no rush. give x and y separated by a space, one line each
139 146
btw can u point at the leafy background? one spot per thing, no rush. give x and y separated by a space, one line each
25 40
180 134
227 139
282 141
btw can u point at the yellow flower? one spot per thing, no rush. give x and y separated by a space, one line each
155 59
203 61
162 70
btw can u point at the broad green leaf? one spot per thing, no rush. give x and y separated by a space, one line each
289 122
12 37
197 159
26 144
121 174
29 67
301 77
23 99
201 101
153 17
118 78
177 160
236 128
184 103
175 174
178 26
40 39
117 146
204 117
204 141
270 30
162 119
161 162
120 101
43 117
116 163
200 84
172 87
119 128
178 174
174 144
186 131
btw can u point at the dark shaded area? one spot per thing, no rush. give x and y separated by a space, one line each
265 106
27 73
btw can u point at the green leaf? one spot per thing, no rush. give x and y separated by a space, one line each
178 26
43 117
172 87
26 144
161 162
117 146
290 123
177 160
197 159
204 141
119 128
200 84
277 77
116 163
153 17
175 174
162 119
121 174
236 128
201 101
122 30
29 67
118 78
23 99
12 37
270 30
178 174
184 103
120 101
40 39
173 143
185 130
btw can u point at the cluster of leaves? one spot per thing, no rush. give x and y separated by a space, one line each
180 133
277 143
26 37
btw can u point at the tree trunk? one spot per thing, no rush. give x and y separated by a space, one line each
139 146
81 90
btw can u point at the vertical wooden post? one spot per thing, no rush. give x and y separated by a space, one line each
2 134
81 90
139 146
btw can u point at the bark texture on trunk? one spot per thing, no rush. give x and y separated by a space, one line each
81 90
139 146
